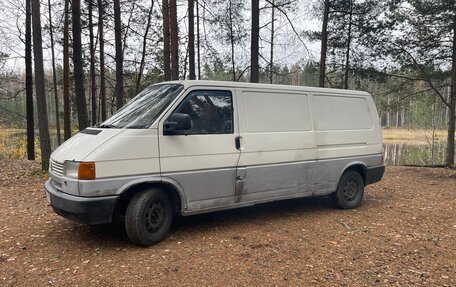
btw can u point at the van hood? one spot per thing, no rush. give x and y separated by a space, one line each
79 146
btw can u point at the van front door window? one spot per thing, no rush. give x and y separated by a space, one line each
211 112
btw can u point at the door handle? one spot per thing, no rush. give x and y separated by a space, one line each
237 142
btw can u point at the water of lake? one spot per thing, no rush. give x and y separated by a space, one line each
414 154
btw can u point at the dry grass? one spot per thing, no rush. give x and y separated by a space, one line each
412 136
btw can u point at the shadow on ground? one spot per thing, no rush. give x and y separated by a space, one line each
115 234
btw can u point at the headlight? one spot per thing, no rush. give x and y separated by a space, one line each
79 170
70 169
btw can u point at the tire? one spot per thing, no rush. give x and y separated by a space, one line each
148 217
350 190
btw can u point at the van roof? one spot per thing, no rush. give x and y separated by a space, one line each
189 83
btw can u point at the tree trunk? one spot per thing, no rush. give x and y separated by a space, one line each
254 49
324 45
271 56
45 141
166 42
143 55
54 77
191 39
233 64
93 80
118 91
185 63
347 55
29 83
102 61
78 66
198 39
452 108
66 75
174 40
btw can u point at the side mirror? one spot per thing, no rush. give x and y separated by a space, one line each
177 124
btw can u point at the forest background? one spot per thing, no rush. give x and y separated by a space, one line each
66 65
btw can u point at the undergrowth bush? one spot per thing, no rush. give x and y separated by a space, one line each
13 144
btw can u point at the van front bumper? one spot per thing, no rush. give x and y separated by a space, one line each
85 210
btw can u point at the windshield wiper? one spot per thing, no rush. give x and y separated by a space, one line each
107 126
136 127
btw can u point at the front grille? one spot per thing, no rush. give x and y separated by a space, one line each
56 168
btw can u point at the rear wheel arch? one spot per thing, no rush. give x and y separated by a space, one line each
359 168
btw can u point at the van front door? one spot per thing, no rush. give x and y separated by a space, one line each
198 147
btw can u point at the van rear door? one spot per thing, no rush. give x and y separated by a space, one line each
202 158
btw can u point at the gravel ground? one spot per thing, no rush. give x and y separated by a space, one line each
404 234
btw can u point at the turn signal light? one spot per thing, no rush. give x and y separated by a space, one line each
86 170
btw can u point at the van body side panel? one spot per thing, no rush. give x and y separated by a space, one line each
204 165
278 144
206 188
278 180
347 133
331 169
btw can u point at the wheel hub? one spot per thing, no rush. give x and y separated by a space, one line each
154 216
350 190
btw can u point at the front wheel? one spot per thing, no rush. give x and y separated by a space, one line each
350 190
148 217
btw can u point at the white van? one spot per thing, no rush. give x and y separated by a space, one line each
188 147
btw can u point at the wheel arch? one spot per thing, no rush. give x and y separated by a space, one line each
359 167
175 192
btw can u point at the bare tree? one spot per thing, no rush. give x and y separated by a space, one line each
198 39
118 91
54 77
93 80
78 65
324 44
254 43
174 40
29 82
231 34
143 54
102 61
271 57
452 103
191 39
45 141
166 42
349 39
66 74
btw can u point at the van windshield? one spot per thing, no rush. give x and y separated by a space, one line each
143 109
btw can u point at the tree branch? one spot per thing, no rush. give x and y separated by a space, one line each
291 24
12 112
427 78
14 96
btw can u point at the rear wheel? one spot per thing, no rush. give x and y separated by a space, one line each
148 217
350 190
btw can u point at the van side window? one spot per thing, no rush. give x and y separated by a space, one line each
211 112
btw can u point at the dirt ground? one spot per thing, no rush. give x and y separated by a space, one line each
404 234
